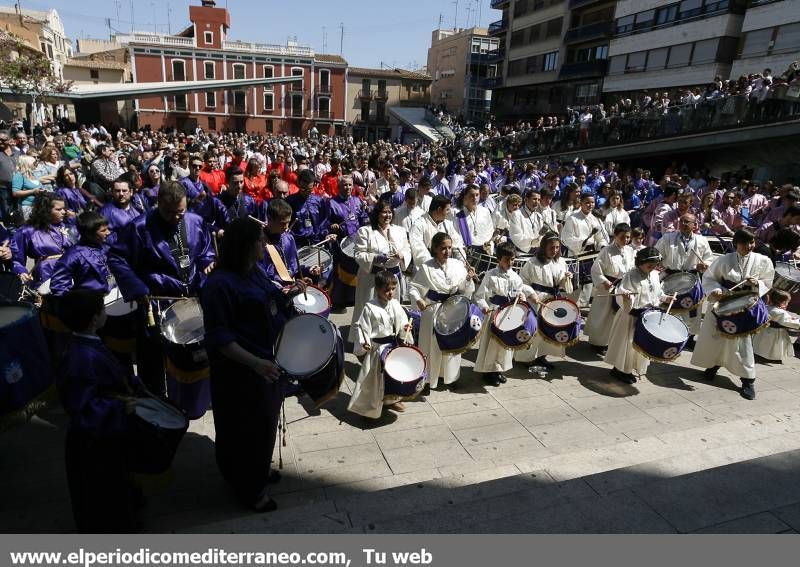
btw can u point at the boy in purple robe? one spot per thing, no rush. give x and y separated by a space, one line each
311 212
121 209
85 265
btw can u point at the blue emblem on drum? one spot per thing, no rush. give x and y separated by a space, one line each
13 372
687 303
562 336
523 336
475 322
671 352
729 327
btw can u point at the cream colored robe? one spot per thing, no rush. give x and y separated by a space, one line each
775 343
613 262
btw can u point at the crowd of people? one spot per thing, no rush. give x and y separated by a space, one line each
437 249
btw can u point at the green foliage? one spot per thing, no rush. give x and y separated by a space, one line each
24 70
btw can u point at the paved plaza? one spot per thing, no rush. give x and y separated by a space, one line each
577 452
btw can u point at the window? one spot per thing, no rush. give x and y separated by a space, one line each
516 67
533 65
212 122
324 107
209 71
365 110
679 55
208 37
657 59
178 70
366 86
382 87
211 100
689 8
666 14
705 51
239 71
269 102
518 38
324 79
636 61
788 37
239 102
297 105
644 20
269 71
297 72
416 88
756 42
268 126
94 74
550 61
601 52
554 27
616 65
625 25
181 102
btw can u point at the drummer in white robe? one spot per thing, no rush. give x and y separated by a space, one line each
474 223
713 350
383 323
528 225
546 211
423 229
615 212
547 273
584 233
641 290
614 261
774 342
436 280
380 245
504 214
686 251
500 286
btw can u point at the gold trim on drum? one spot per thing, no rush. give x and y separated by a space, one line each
649 356
464 348
186 376
567 344
740 335
505 346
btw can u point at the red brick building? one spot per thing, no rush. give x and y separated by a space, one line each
203 52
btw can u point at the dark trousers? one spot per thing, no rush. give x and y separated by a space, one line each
6 203
150 355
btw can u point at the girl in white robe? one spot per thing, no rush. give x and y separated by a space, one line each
713 350
614 212
614 261
774 342
584 233
381 245
499 286
383 322
545 273
436 280
642 289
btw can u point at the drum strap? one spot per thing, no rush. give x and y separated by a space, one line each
498 300
395 270
638 312
670 271
463 228
552 290
383 340
436 296
280 266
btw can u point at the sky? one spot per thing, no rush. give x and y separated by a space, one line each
395 34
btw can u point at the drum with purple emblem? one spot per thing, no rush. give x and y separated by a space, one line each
740 313
514 325
405 371
560 321
686 288
457 324
659 335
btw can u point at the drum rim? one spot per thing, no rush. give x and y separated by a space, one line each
30 311
323 293
347 239
194 300
523 304
452 299
328 261
695 281
658 312
280 338
161 404
736 295
568 300
412 347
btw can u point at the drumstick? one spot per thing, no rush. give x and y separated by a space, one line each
693 251
259 221
516 300
167 298
738 284
669 307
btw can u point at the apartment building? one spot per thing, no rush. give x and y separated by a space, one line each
462 63
770 37
49 29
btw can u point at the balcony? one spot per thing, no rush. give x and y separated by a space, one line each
492 82
498 4
297 86
324 89
581 3
324 114
591 32
496 55
366 94
499 27
155 39
381 94
248 47
583 69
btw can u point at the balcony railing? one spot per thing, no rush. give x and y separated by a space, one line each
297 86
324 89
496 55
498 27
155 39
327 114
583 69
382 94
492 82
372 119
582 3
592 31
497 4
291 50
366 94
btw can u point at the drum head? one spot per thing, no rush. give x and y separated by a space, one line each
679 283
158 413
511 317
560 312
310 256
787 272
669 329
451 315
735 303
348 246
10 314
182 322
404 364
306 344
313 301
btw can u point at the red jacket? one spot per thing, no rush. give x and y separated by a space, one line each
214 179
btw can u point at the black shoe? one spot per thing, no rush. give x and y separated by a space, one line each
622 376
274 477
502 379
748 389
542 361
454 386
264 503
710 373
690 344
492 379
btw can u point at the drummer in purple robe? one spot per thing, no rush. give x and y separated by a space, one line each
243 314
121 209
311 212
44 239
98 396
67 189
280 261
238 204
347 215
166 252
201 200
85 265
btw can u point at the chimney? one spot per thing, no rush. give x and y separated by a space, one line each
208 3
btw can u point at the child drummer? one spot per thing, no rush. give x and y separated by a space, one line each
640 290
500 286
382 323
774 343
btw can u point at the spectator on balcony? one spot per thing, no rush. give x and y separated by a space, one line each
585 121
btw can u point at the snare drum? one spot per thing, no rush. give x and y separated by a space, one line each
514 325
457 324
687 289
25 370
311 351
659 335
405 371
560 321
310 256
315 300
119 332
347 270
740 313
186 361
158 429
787 277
